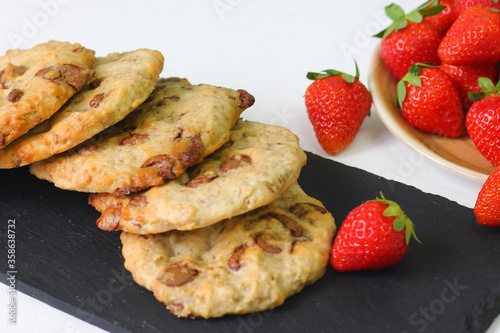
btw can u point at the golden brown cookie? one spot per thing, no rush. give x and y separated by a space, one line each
174 128
35 83
122 81
249 263
256 165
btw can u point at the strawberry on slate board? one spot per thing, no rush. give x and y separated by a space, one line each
483 121
487 208
473 39
374 235
337 104
430 101
409 39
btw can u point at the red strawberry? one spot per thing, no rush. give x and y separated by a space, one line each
473 39
430 102
487 208
445 18
465 78
337 104
373 235
461 5
408 39
483 122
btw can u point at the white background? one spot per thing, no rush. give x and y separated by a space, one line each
262 46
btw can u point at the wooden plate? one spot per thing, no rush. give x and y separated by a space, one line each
456 154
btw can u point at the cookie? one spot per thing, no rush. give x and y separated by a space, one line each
256 165
249 263
174 128
122 81
36 82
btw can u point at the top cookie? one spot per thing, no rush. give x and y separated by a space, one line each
248 263
35 83
256 165
174 128
122 81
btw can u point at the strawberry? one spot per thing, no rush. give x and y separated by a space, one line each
337 104
466 78
374 235
473 39
430 101
487 207
483 121
409 39
443 20
461 5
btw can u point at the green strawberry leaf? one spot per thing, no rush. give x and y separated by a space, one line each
332 72
400 24
427 4
415 16
315 75
410 77
393 210
329 72
396 25
487 87
394 11
325 73
401 93
476 96
428 8
348 78
413 78
431 11
400 19
409 233
401 221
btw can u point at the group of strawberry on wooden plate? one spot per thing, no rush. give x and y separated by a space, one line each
445 55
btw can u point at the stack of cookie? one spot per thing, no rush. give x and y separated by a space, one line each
37 117
212 218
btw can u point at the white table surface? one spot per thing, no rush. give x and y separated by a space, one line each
265 47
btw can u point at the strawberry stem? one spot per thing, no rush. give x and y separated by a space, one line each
401 221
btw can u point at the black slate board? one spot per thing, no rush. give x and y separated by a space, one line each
451 283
